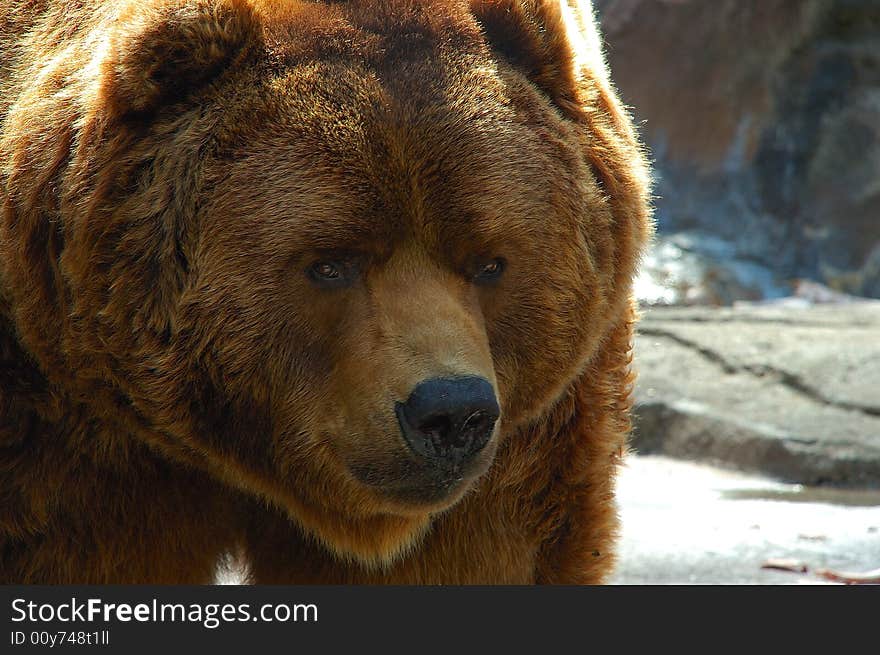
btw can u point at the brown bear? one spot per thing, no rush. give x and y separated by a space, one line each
341 288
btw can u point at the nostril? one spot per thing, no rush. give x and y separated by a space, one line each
437 429
443 433
477 426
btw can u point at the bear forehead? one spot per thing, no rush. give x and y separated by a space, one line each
412 56
337 145
381 117
373 32
347 173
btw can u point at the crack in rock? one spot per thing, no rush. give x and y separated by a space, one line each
765 320
786 379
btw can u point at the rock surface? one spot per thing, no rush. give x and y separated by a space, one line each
764 121
786 390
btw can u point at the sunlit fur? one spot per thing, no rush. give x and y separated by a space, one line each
174 387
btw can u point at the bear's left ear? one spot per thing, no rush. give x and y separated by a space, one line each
163 53
553 42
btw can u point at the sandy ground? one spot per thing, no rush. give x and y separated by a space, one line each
686 523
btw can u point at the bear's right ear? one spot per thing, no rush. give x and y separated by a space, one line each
163 53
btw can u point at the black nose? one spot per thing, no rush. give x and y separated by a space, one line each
448 420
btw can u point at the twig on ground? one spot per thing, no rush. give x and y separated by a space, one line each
868 577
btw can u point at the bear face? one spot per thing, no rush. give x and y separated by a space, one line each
409 235
305 222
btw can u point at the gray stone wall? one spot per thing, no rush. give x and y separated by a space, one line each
763 117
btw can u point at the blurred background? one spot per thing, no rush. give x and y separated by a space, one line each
757 434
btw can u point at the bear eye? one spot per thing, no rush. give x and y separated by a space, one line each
489 271
330 273
326 271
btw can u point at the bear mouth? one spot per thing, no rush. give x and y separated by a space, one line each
414 486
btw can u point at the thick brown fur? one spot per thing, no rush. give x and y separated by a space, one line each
173 385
